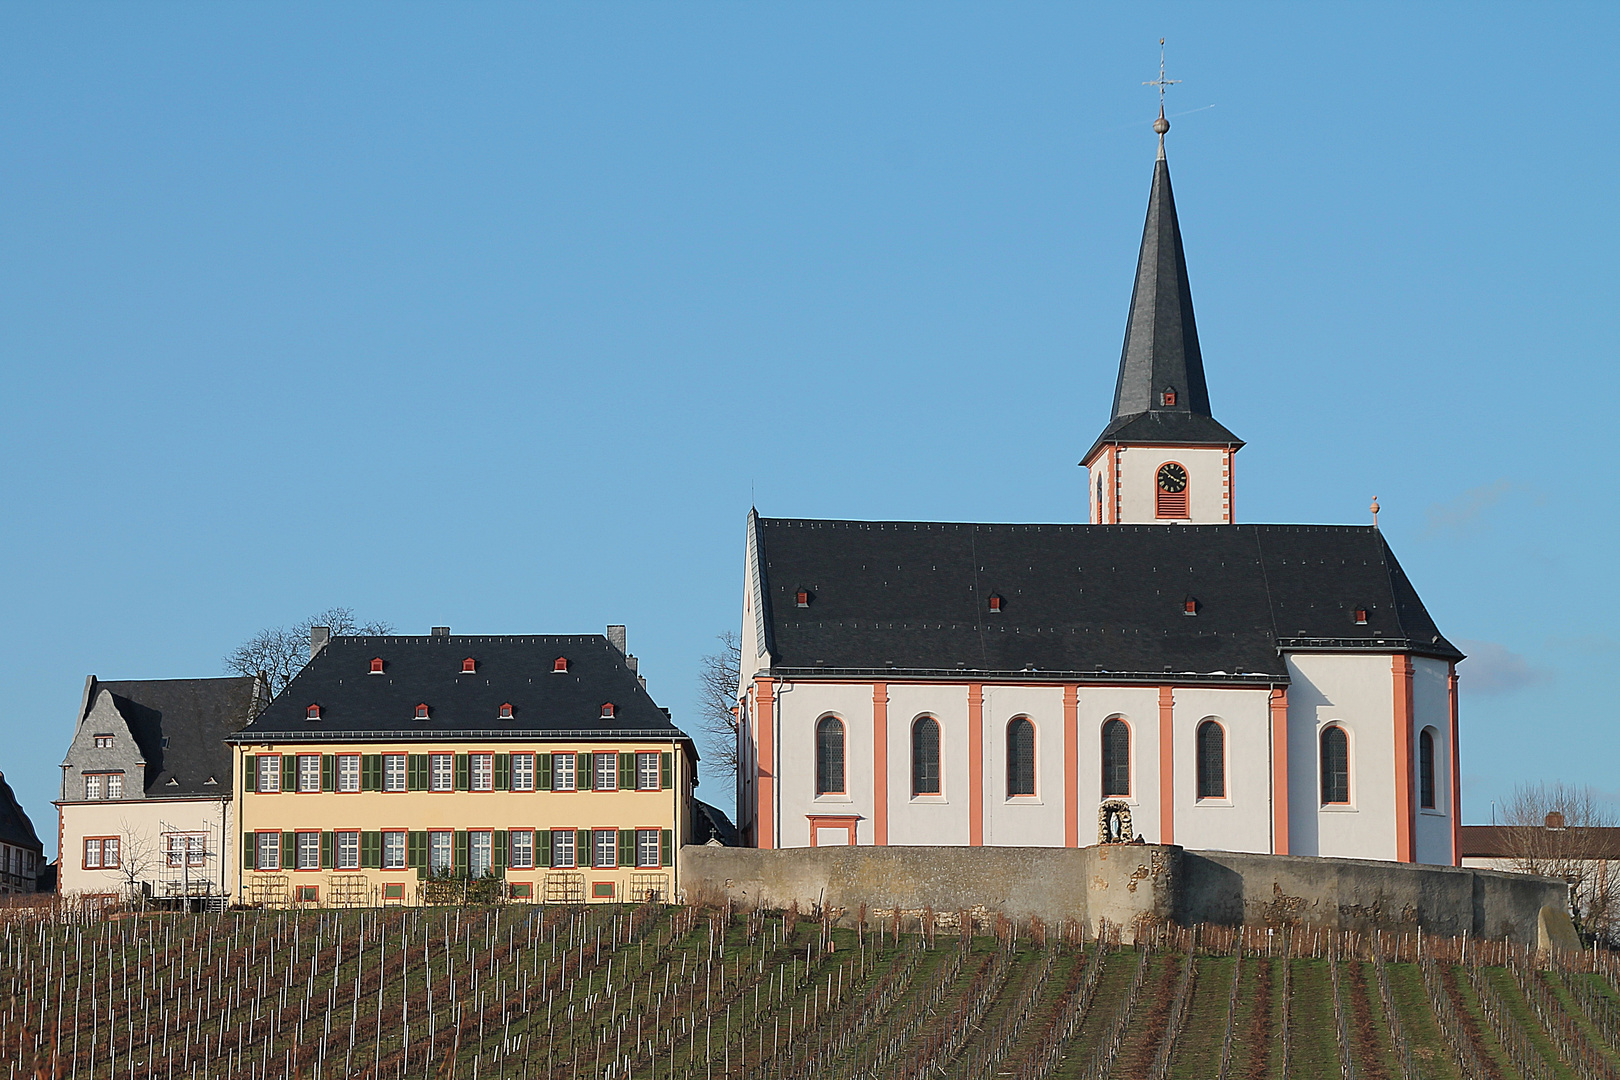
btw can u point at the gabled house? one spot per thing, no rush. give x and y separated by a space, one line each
22 856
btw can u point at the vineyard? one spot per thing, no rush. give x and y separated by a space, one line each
613 993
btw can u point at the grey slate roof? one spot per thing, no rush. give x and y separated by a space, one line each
15 827
1161 343
515 669
1082 602
194 716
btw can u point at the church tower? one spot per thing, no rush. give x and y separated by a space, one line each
1163 458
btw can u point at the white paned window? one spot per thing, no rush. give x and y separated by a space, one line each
309 851
348 772
647 847
393 853
522 849
92 786
482 772
562 774
441 851
480 853
562 847
185 849
393 772
269 850
309 772
348 850
269 773
522 772
92 854
647 772
104 742
443 774
607 772
115 785
606 843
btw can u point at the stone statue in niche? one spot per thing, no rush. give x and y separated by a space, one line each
1114 823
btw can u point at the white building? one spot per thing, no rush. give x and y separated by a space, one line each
1160 671
146 803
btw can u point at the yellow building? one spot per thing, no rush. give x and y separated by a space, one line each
405 770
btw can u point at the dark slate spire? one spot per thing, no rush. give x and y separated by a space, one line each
1161 396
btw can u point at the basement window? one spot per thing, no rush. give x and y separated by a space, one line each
376 665
421 712
312 713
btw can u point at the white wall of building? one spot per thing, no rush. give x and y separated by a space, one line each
140 825
1357 692
1208 486
1242 820
1431 708
1024 820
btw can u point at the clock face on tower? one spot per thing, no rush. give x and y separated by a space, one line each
1172 478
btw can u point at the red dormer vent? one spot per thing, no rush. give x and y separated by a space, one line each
312 713
560 664
995 603
801 598
1361 616
506 711
469 665
421 712
376 665
1168 397
1189 606
607 710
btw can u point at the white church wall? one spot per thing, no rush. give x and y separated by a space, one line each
803 704
1431 708
1138 480
1138 707
1356 692
929 819
1031 821
1242 820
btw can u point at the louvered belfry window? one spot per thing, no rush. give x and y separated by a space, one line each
1335 765
830 756
1170 491
925 756
1211 760
1116 758
1021 757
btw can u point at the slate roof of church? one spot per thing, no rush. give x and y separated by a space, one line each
194 716
1080 602
515 669
15 827
1161 342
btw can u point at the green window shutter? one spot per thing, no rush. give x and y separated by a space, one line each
289 772
416 767
627 847
542 769
328 850
584 775
250 782
328 772
583 855
542 841
498 851
416 849
503 772
666 847
461 850
463 773
250 844
371 850
627 772
371 772
666 770
289 852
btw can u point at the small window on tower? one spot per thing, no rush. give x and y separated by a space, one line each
376 665
469 665
1168 397
421 712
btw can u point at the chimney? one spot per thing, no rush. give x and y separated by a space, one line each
318 637
632 663
616 637
441 631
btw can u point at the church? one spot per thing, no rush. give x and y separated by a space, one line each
1160 673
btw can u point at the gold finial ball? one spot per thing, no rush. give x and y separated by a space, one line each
1161 125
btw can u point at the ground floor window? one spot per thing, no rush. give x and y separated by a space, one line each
606 845
522 849
480 853
269 855
441 851
185 849
393 850
309 851
348 850
562 848
101 853
647 847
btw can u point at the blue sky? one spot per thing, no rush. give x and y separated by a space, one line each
498 316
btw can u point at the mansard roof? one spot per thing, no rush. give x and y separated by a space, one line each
180 726
15 827
1102 603
518 670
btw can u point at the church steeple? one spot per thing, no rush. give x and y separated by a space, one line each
1160 398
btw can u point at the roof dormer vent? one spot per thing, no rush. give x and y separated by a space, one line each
995 604
1189 606
560 664
1167 397
1361 616
801 598
468 666
376 665
422 712
607 710
506 711
312 713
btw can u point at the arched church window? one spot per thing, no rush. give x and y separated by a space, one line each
1211 760
830 756
1099 498
1021 757
1426 768
1335 765
1172 491
1116 758
925 756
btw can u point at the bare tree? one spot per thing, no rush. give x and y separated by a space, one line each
280 652
717 706
137 856
1562 831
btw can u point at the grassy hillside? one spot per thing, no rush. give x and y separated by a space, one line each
681 992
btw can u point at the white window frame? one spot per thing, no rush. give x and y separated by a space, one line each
522 772
563 855
346 850
605 770
480 862
649 850
309 773
441 772
562 772
520 849
92 843
93 786
308 853
481 772
448 840
393 849
115 785
269 780
604 842
647 780
395 771
185 849
267 842
348 772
